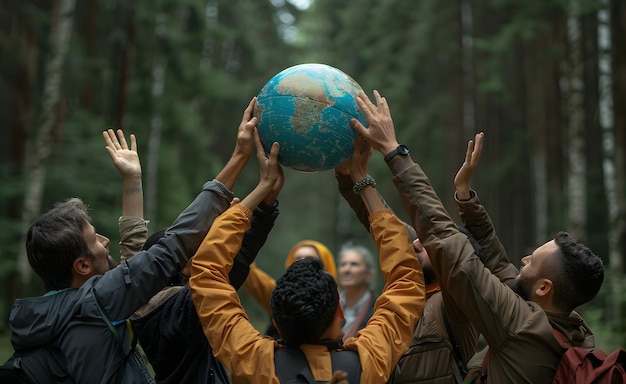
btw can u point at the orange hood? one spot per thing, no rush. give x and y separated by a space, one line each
325 255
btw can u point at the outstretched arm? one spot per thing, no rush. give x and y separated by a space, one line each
464 175
262 222
126 160
475 217
132 226
147 273
388 333
492 307
430 221
233 339
243 149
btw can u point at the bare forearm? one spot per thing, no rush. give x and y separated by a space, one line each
371 199
255 197
229 175
132 198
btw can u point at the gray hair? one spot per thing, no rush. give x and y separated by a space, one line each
365 253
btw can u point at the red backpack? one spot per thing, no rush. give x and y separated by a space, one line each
581 366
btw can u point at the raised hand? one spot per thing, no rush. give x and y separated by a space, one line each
245 142
268 164
464 175
125 159
343 168
380 132
269 172
278 186
360 158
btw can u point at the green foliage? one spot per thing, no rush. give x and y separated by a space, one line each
214 56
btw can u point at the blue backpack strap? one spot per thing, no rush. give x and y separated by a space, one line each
130 352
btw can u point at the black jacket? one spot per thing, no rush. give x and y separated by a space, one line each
170 332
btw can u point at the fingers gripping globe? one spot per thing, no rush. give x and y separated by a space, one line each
307 109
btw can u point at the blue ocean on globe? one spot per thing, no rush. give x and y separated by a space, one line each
307 109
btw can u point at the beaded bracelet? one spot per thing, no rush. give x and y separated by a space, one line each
364 183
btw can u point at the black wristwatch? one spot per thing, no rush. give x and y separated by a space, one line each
401 150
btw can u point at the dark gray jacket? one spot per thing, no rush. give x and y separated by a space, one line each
72 319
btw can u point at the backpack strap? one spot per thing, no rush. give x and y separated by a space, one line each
292 366
347 361
118 338
561 338
461 368
131 352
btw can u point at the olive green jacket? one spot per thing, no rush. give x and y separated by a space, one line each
518 332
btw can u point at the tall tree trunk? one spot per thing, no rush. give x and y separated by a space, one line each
126 64
536 79
156 123
208 43
89 38
467 68
618 56
576 186
616 221
60 34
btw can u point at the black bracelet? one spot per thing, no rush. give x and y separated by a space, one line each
364 183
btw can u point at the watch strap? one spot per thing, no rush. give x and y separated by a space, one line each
401 149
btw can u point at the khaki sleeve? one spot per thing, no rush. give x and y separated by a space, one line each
133 235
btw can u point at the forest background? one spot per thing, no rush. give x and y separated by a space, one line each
544 79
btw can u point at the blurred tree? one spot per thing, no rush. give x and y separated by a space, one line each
616 221
178 73
60 35
576 175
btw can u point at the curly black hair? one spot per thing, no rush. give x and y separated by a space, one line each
304 302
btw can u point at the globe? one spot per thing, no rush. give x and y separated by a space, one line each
307 109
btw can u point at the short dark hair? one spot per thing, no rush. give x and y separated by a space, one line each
579 274
55 240
304 302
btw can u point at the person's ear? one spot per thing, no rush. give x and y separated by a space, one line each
339 312
276 326
544 288
82 266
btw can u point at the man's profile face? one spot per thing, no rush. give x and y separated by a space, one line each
532 269
98 246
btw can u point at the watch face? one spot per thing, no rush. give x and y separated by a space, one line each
403 150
